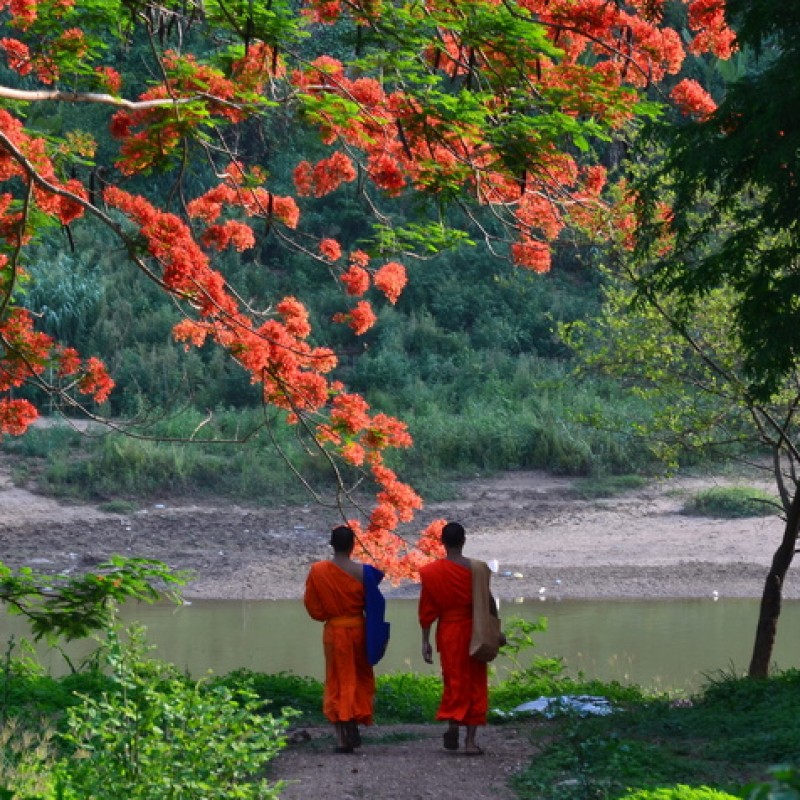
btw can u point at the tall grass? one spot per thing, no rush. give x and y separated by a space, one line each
533 418
109 465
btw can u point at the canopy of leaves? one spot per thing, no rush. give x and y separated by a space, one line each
733 185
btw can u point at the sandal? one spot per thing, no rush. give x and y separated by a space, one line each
343 749
476 752
450 739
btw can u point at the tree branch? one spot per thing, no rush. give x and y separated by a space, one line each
56 95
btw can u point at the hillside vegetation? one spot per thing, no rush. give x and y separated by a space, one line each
468 357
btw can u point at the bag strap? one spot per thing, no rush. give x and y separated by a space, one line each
480 587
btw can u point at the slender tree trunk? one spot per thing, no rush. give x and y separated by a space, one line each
770 608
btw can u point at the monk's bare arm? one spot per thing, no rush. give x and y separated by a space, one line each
427 650
493 611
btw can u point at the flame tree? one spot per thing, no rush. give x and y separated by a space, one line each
493 107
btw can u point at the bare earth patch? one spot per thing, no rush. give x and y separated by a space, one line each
634 545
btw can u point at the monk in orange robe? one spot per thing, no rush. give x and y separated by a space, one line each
446 596
334 594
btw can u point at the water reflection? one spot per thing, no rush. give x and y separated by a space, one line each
661 644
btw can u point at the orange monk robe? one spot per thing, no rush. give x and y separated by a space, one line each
446 596
336 598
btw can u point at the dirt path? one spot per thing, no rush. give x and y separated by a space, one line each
404 762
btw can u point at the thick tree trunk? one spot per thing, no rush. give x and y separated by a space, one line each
770 608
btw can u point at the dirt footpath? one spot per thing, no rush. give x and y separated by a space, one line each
404 762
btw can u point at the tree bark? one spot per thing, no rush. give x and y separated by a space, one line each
770 608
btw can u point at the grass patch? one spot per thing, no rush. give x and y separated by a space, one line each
406 697
729 737
119 507
731 502
280 690
607 485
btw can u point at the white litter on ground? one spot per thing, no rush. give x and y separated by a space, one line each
583 705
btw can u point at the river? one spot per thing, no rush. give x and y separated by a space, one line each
667 645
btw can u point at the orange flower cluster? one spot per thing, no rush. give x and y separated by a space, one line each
390 279
325 176
692 99
707 17
356 280
240 191
151 135
65 205
360 318
27 355
606 52
330 249
69 45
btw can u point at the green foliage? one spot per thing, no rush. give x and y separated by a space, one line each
732 197
407 697
24 689
419 237
731 502
278 690
729 735
783 784
73 606
39 443
158 734
680 792
27 757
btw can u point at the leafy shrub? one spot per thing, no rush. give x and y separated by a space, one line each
731 502
680 792
407 697
784 784
26 758
278 690
118 507
158 734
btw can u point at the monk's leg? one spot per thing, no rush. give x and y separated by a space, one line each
343 744
450 737
470 745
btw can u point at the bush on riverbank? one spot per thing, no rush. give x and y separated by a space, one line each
729 737
732 502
